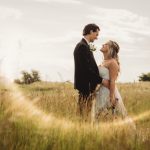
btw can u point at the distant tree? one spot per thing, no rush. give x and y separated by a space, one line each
18 81
144 77
26 77
35 76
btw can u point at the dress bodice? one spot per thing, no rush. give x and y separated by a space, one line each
104 72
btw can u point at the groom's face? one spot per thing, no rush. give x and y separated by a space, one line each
94 35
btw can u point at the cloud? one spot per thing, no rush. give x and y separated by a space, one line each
62 39
7 12
60 1
121 24
54 42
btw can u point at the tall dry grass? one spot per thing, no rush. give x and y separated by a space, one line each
42 116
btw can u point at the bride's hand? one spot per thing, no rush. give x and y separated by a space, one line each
113 102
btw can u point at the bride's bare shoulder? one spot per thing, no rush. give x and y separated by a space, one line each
113 63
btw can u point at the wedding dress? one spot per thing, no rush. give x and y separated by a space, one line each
102 106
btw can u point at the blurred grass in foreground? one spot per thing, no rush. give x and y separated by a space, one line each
42 116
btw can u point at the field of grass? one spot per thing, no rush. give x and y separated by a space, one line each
42 116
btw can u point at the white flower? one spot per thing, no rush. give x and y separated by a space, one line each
92 47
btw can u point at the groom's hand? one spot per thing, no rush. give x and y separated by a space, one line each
105 83
97 87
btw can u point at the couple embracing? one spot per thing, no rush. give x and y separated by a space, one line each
96 84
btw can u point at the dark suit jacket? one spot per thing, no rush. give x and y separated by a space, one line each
86 71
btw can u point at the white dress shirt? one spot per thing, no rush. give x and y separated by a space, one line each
86 41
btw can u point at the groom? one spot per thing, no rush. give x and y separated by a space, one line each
86 78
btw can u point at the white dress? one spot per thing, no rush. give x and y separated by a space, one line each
101 108
102 103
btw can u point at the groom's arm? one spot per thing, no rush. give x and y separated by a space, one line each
106 83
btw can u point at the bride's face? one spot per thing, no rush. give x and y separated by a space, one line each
105 48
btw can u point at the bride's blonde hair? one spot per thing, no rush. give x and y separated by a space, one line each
114 50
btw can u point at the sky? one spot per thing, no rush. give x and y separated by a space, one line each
42 35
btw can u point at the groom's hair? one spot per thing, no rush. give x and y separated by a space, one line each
90 27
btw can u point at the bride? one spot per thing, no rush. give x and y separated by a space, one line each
108 101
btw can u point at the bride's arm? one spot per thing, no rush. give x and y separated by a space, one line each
113 73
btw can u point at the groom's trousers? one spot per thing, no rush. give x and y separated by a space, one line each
84 105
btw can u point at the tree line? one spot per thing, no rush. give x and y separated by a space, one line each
34 76
28 78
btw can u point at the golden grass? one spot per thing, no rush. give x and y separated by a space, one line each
42 116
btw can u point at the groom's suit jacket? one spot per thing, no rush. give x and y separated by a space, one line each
86 75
